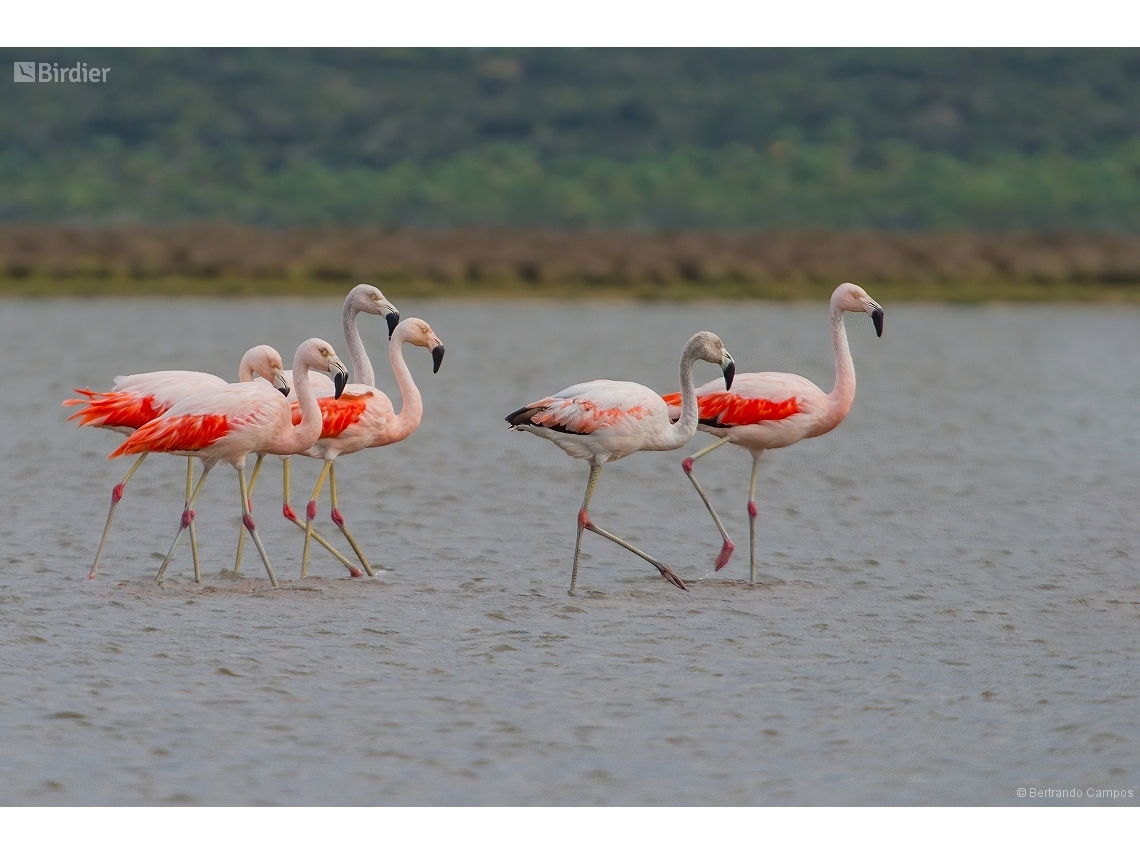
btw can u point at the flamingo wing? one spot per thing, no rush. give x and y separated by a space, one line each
200 420
757 397
136 399
597 406
337 414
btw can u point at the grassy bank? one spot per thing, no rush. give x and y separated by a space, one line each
215 259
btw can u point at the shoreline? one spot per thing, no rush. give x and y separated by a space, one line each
244 287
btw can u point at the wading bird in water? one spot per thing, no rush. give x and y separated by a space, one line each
229 422
363 417
136 399
363 298
606 420
773 410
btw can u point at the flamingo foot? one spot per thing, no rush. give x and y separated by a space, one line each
725 554
288 513
355 572
671 577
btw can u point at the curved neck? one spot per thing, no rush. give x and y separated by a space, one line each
411 405
300 436
843 394
685 427
361 366
245 373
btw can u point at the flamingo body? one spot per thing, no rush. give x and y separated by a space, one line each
600 421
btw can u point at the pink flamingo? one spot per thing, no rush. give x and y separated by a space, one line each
136 399
773 410
363 417
363 298
228 422
606 420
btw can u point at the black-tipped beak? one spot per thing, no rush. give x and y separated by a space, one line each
340 380
729 373
393 318
436 358
284 390
877 320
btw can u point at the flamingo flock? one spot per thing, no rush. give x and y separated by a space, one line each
314 411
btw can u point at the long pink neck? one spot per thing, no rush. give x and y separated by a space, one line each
300 436
843 395
411 406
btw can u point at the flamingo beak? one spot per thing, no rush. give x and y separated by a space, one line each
877 320
436 358
340 376
729 369
280 384
393 318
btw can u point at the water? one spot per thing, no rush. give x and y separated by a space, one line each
950 609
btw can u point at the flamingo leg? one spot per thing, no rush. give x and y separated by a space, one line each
584 523
193 532
247 521
291 515
187 516
310 514
687 465
752 520
241 531
338 518
116 495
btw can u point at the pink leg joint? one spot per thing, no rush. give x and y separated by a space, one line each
187 517
687 465
116 494
247 521
338 517
752 512
311 511
288 513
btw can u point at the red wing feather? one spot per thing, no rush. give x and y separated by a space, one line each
114 409
180 433
730 410
337 414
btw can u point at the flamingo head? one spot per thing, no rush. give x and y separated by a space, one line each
319 355
417 332
265 362
849 297
366 298
709 347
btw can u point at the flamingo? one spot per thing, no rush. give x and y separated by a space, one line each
136 399
228 422
363 417
363 298
606 420
773 410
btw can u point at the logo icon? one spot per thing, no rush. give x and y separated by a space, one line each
24 72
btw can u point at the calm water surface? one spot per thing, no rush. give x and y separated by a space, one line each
950 607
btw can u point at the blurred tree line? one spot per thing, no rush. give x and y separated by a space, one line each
590 138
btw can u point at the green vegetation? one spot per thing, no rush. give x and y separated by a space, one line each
629 139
